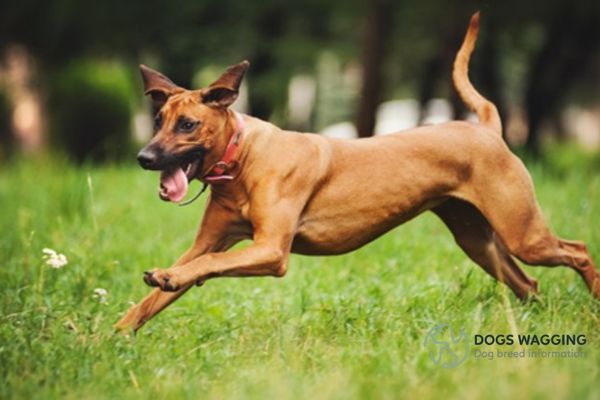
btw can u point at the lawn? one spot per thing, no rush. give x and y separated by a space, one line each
351 326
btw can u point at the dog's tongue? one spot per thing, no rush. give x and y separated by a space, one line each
173 185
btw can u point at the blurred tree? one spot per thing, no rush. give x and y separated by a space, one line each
570 44
6 138
407 44
377 28
181 36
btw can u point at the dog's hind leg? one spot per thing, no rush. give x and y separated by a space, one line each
150 305
548 250
508 203
158 300
479 241
214 236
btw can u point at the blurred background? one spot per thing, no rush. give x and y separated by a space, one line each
69 79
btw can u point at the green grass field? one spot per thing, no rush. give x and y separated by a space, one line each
341 327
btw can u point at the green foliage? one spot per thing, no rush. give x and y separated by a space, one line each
350 326
549 39
90 110
566 158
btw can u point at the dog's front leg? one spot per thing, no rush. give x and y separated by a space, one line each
256 260
213 236
274 227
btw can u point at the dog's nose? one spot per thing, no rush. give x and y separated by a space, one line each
146 158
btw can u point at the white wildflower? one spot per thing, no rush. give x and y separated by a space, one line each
54 259
100 294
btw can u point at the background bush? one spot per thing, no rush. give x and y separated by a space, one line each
91 109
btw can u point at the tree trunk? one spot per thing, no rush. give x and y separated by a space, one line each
375 40
569 47
269 26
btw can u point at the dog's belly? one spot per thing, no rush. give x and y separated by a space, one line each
337 233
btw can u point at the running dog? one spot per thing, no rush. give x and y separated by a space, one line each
303 193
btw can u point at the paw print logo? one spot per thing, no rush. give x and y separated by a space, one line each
446 347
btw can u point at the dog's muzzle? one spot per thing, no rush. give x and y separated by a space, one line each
147 158
176 170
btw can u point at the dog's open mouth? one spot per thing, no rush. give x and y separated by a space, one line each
174 181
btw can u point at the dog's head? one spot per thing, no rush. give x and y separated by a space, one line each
190 127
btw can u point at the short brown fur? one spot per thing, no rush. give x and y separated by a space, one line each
308 194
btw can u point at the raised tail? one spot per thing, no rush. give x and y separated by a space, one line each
485 109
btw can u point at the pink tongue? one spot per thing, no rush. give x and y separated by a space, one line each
174 184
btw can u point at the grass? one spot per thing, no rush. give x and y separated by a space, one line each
342 327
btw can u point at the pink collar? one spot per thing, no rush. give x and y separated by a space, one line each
218 171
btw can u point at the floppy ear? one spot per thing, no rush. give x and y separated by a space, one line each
158 86
224 91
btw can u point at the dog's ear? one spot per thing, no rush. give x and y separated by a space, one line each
158 86
224 91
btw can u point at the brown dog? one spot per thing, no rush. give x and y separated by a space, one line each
303 193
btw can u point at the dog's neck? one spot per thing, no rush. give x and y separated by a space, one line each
223 154
222 170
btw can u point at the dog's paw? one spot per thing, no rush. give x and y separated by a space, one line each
161 279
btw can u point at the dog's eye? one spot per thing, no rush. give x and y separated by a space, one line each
157 122
186 125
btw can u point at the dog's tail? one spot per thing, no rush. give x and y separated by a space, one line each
485 109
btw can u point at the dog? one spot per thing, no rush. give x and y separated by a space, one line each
304 193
